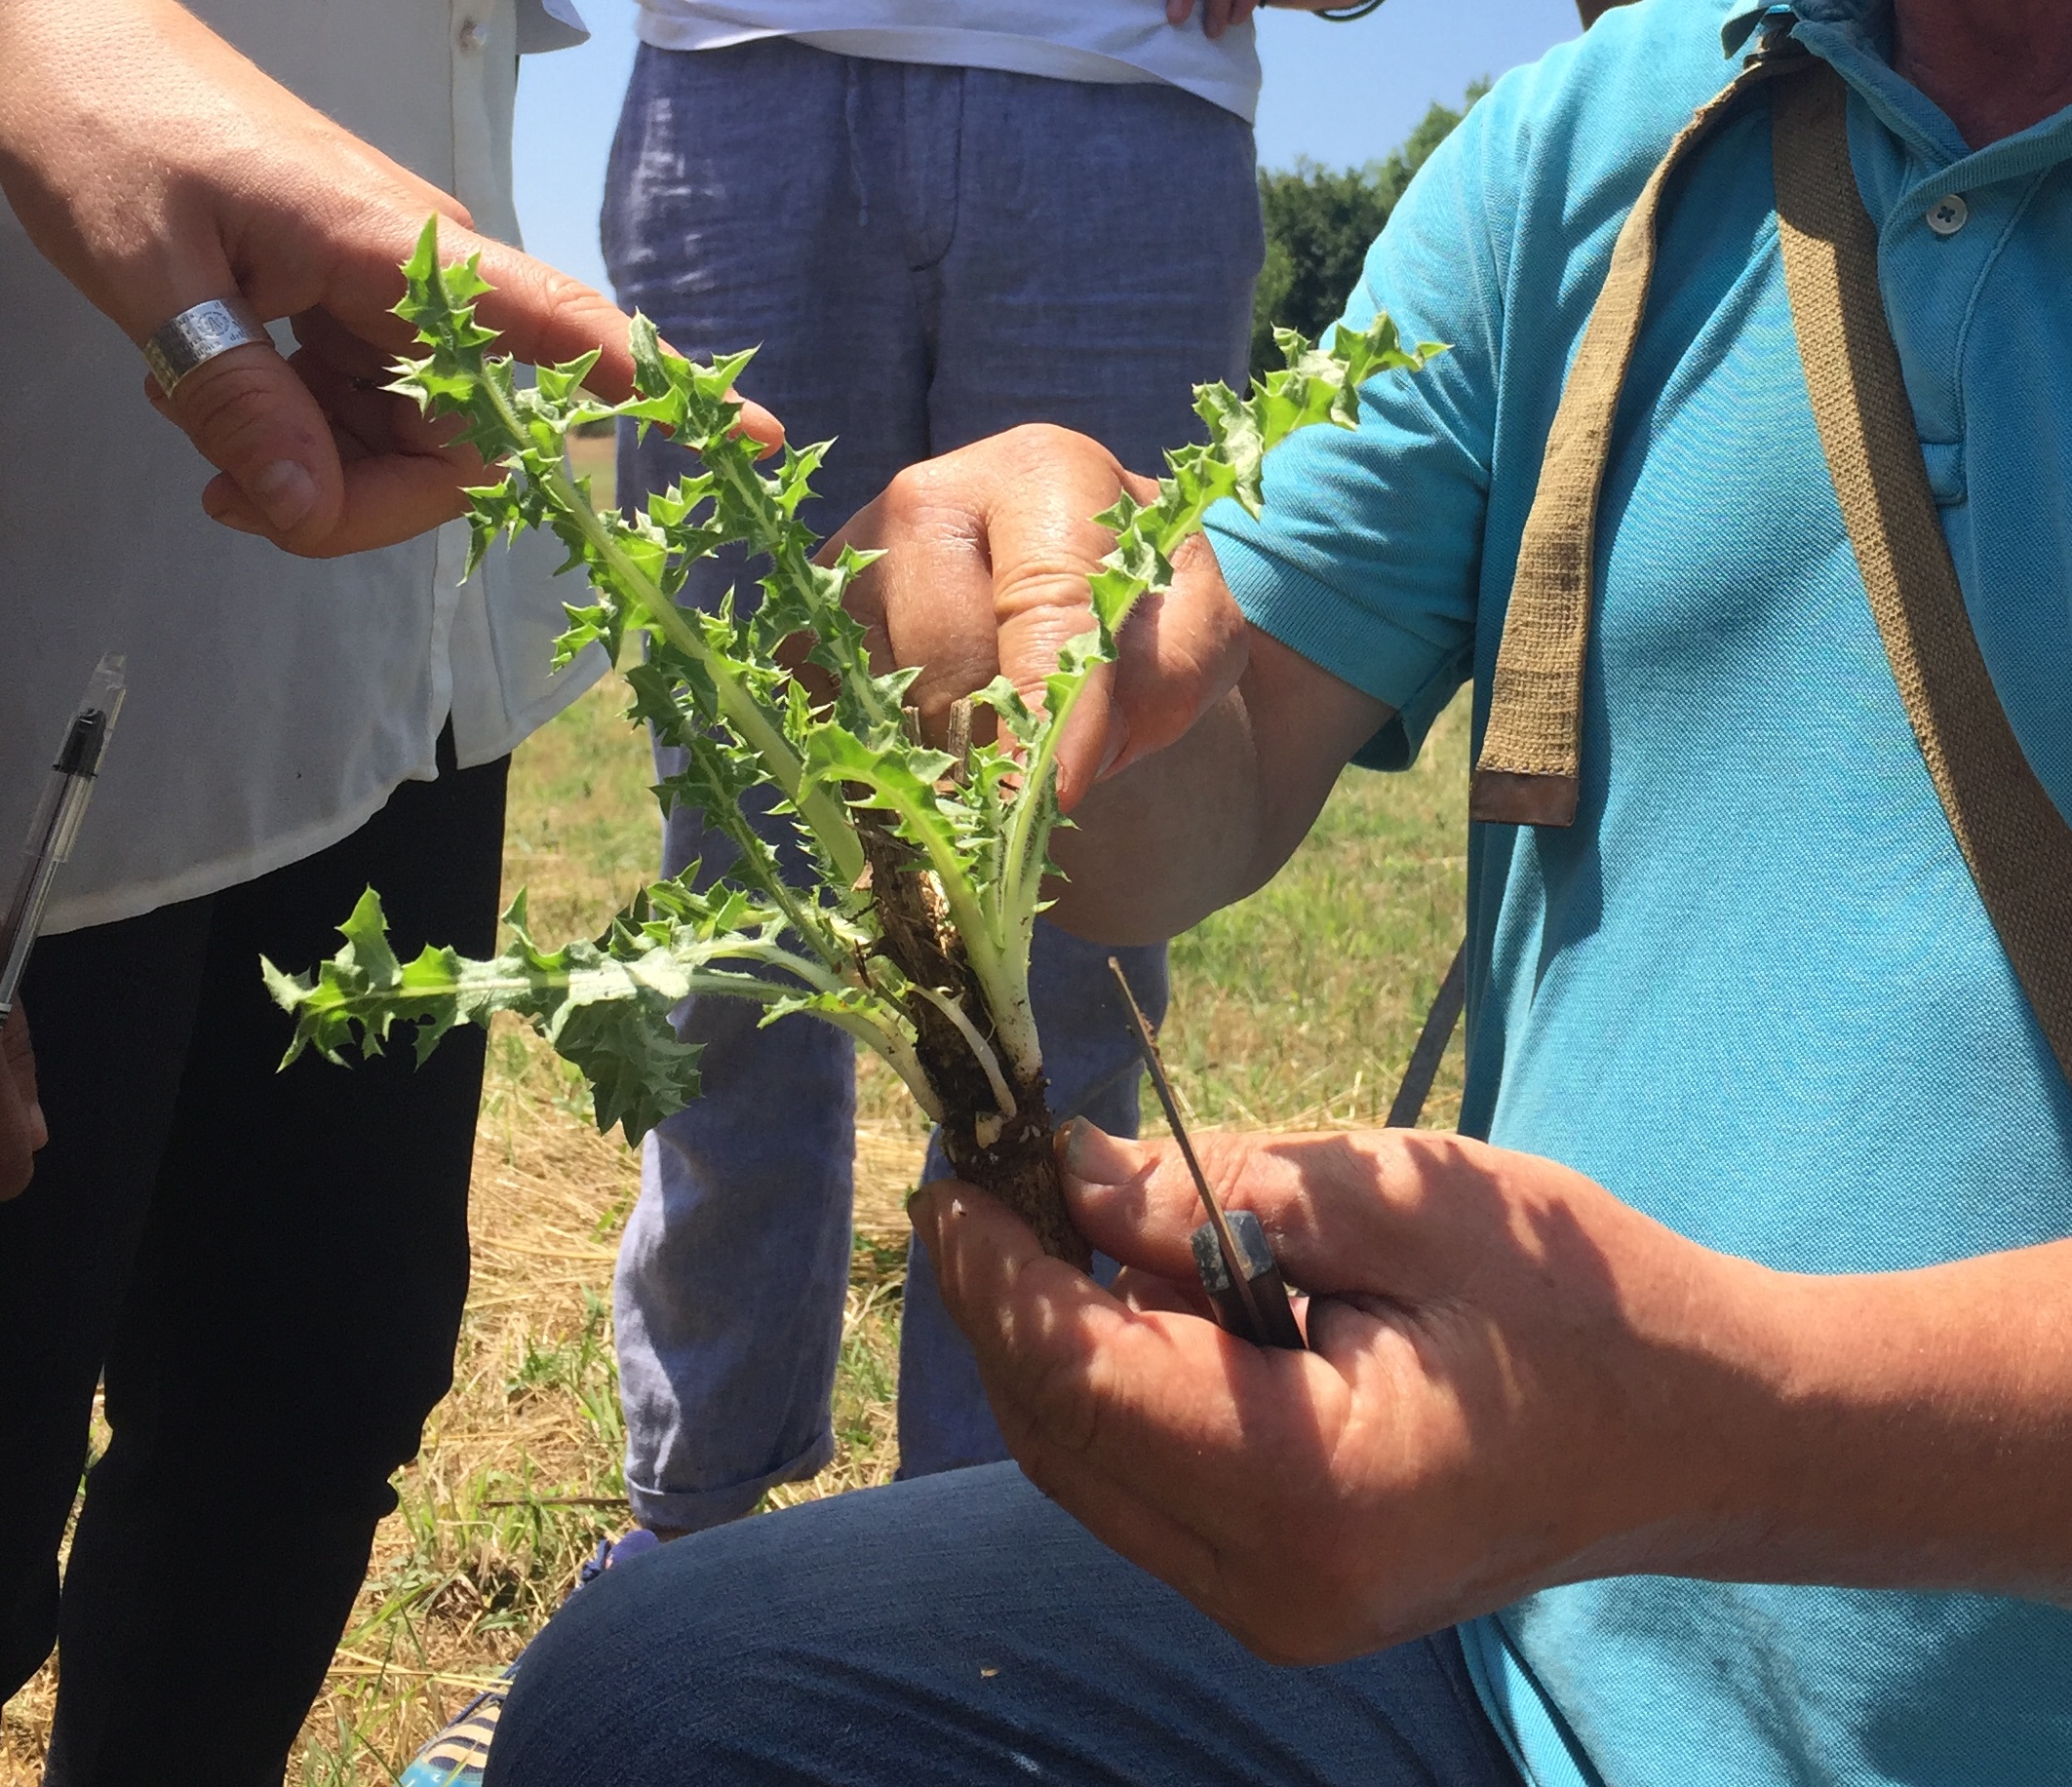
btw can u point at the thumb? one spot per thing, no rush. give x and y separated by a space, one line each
254 418
1095 738
1367 1211
1136 1200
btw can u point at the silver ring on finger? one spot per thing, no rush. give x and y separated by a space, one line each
197 335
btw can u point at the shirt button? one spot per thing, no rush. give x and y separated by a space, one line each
474 35
1947 217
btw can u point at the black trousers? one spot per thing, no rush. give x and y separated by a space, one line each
266 1267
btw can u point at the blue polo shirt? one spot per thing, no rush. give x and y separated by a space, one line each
1752 990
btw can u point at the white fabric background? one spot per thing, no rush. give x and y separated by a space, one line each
274 702
1075 40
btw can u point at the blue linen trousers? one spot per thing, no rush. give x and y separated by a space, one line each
926 256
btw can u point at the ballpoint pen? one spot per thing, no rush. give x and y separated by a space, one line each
55 827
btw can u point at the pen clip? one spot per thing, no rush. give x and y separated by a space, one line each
55 828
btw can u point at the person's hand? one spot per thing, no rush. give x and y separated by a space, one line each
1500 1394
1229 739
157 168
987 553
1516 1381
1219 16
22 1130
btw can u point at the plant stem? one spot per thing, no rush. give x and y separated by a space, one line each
899 1056
981 1050
827 817
787 560
806 916
1012 1021
828 821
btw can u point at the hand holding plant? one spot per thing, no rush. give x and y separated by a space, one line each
929 862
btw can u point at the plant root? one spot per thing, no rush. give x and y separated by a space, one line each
1017 1161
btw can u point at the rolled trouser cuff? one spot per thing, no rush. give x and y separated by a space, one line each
692 1511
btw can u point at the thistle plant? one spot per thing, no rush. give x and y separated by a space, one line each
913 932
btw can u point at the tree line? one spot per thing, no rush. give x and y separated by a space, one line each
1320 222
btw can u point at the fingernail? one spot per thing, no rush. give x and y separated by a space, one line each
39 1129
920 1210
223 503
1094 1157
285 493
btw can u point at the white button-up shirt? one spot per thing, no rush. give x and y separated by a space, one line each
274 702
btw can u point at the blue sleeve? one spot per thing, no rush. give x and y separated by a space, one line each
1367 558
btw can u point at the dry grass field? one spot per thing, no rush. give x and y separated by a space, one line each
1295 1010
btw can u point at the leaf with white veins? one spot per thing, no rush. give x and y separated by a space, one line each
718 687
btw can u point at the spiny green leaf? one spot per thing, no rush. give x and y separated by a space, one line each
719 688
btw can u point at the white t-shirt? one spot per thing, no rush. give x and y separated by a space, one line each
274 702
1070 40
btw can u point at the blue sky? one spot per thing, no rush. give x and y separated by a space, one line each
1337 93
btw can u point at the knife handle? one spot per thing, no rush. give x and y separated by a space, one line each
1276 1326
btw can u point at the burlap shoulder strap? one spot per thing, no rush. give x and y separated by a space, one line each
1532 750
2016 844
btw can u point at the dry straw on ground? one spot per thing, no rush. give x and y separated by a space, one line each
1295 1010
